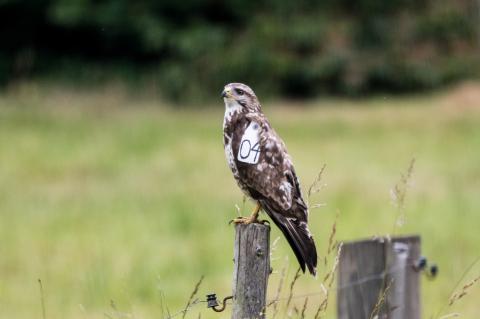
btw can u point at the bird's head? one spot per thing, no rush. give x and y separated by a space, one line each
240 96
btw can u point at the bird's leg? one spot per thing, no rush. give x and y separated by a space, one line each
251 219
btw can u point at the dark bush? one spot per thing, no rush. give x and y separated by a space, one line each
189 49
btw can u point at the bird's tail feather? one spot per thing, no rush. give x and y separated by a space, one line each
299 238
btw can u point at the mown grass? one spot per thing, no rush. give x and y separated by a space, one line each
110 198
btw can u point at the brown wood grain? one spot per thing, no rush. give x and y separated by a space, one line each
252 268
377 278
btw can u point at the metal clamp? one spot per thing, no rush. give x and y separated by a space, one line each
422 265
213 303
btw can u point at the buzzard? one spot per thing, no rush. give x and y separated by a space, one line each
264 171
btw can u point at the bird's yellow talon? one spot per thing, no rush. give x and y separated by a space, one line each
250 219
243 220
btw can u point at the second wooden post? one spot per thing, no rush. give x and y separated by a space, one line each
377 279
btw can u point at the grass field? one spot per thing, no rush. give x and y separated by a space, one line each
116 200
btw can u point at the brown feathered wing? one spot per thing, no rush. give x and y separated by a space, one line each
273 183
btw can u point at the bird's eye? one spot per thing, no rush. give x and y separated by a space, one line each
239 91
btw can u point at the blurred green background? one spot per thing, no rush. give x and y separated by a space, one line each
114 190
186 50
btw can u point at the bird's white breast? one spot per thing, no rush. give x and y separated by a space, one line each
231 107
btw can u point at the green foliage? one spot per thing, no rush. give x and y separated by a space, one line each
292 48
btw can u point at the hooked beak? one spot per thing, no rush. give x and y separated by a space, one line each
226 93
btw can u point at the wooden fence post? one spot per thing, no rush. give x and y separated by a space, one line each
252 268
403 298
378 278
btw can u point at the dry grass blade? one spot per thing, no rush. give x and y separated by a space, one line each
164 310
240 210
114 308
330 276
295 310
315 206
321 308
192 296
399 193
162 306
279 290
450 315
42 299
380 301
464 274
463 291
304 309
315 187
331 238
117 313
292 285
273 247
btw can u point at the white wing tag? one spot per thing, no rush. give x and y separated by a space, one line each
249 150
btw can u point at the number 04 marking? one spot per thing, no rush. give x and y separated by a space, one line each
246 150
249 150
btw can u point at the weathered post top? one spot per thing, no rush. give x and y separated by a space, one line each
252 268
377 277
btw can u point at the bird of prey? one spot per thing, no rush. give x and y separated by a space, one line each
264 171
